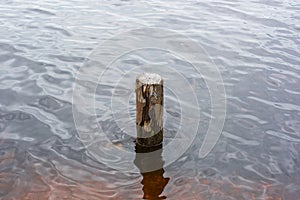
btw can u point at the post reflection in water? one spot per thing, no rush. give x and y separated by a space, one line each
149 159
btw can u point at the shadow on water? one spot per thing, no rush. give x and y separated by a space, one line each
153 182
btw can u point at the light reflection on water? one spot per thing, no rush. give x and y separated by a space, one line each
255 44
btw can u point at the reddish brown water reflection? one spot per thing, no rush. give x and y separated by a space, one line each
154 184
152 187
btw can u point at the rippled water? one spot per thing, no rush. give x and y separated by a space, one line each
256 46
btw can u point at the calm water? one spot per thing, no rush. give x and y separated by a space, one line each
255 44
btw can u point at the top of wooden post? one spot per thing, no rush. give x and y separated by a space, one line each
149 78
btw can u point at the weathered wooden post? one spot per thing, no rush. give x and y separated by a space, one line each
149 109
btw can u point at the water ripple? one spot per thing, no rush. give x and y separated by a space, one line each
283 136
254 43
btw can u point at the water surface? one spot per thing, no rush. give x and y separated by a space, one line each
256 46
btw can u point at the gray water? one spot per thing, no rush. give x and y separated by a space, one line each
256 46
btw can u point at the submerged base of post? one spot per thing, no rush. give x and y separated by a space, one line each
149 109
152 141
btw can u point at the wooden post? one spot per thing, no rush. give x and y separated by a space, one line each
149 109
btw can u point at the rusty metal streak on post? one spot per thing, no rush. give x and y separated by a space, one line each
149 109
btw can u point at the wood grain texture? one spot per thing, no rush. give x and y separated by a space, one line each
149 110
